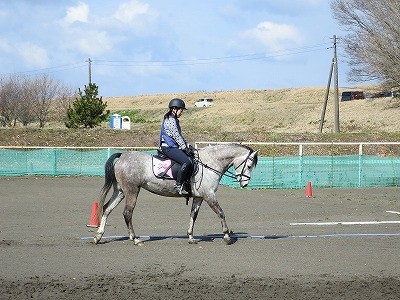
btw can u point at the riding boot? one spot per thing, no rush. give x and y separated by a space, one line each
180 178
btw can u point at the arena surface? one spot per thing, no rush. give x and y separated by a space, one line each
46 250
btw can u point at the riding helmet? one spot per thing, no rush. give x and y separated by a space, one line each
178 103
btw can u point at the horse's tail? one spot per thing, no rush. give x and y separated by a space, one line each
109 180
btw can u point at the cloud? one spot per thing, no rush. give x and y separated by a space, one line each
33 55
94 43
5 46
78 13
274 36
129 12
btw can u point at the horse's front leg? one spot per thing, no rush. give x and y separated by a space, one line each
213 203
193 216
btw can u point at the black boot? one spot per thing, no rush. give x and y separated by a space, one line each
182 174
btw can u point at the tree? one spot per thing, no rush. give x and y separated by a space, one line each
65 99
25 100
88 110
45 91
10 94
372 40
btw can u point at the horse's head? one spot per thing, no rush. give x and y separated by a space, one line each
244 165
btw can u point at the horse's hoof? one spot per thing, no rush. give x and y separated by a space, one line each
138 242
96 240
193 241
229 240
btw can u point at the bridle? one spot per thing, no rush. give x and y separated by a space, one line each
238 176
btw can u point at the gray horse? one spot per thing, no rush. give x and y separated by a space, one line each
133 170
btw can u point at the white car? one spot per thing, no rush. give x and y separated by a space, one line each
204 102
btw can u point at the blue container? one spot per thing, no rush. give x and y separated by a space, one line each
116 121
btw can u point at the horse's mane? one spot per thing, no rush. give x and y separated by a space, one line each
234 144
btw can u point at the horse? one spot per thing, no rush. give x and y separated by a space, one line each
130 171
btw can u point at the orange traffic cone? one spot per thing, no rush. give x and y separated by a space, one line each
309 190
94 220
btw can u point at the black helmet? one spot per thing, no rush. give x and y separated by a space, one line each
176 102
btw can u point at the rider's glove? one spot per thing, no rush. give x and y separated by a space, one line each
192 148
188 151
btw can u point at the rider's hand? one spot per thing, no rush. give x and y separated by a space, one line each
189 152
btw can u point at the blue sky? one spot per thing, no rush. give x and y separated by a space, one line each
171 46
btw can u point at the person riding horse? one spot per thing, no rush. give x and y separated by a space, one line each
173 144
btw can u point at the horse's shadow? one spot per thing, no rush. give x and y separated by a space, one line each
199 238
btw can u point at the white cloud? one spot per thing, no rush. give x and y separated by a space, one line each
5 46
130 12
94 43
33 55
274 36
79 13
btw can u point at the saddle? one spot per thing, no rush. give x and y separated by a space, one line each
164 167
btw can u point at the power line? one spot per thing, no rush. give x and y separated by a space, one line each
157 63
215 60
48 70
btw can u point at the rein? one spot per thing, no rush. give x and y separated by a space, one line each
230 174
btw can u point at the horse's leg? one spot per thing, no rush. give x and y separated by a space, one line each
131 198
115 199
193 216
213 203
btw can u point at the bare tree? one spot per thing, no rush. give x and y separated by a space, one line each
25 100
372 42
45 91
10 93
66 96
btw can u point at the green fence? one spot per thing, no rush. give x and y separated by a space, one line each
324 171
271 172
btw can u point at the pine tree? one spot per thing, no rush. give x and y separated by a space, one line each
88 110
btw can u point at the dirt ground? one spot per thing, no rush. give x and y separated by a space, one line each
46 250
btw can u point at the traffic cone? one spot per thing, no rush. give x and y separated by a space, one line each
94 219
309 190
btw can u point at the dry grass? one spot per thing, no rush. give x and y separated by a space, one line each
280 111
283 115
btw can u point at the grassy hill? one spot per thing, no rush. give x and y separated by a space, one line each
243 115
282 111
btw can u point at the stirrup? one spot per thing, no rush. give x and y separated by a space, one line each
181 191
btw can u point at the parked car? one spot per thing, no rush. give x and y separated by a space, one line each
352 95
383 94
204 102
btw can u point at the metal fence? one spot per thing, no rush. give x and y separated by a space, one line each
281 165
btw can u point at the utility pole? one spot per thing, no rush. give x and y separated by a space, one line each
321 124
336 89
334 71
90 70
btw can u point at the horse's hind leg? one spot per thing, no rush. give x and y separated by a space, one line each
131 198
115 199
193 216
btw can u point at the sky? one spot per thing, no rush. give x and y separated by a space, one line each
171 46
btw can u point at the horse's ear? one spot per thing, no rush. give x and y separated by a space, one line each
255 157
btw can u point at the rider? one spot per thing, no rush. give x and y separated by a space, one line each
173 144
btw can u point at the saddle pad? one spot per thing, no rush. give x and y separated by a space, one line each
162 168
